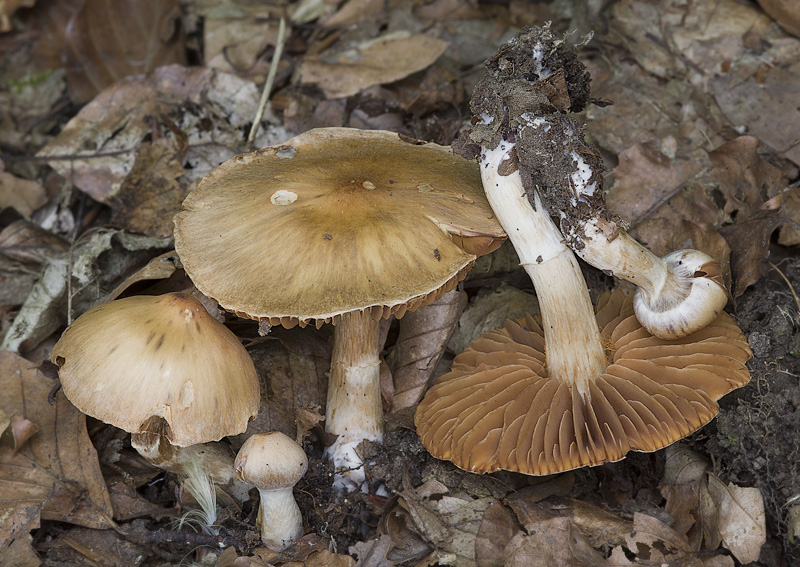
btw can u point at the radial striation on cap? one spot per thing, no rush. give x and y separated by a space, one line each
131 360
497 408
335 220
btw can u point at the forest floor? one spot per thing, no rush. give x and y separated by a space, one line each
112 112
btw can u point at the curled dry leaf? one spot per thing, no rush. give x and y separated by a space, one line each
378 61
56 474
422 340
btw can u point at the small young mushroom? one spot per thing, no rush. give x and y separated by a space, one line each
274 463
579 388
161 368
344 226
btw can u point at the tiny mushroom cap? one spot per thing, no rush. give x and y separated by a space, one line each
498 408
270 461
337 225
274 463
162 362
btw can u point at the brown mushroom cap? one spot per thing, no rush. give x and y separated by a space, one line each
270 461
128 361
497 409
332 221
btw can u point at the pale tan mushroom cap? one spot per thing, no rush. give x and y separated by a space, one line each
270 461
497 409
129 360
335 220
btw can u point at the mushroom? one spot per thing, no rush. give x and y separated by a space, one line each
602 385
274 463
523 98
163 369
344 226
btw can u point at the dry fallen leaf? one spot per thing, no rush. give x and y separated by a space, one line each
99 259
29 243
56 474
740 518
554 542
498 528
23 195
291 381
211 108
785 13
489 310
151 194
422 340
374 62
102 41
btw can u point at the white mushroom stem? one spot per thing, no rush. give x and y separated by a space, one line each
574 348
214 459
279 518
354 409
675 297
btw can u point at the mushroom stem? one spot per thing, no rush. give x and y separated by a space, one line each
574 348
279 518
677 295
354 409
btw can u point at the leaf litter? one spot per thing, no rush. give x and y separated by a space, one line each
702 151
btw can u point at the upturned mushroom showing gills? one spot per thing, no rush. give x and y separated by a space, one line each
523 101
344 226
577 387
163 369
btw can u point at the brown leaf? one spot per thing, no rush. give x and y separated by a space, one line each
497 530
646 178
555 542
27 242
746 180
422 341
7 9
22 429
767 105
102 41
20 554
151 194
374 62
749 242
785 13
57 470
740 517
84 546
373 553
23 195
159 268
289 381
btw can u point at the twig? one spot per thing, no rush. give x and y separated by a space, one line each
66 157
273 69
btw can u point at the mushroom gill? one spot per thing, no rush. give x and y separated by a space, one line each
498 409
